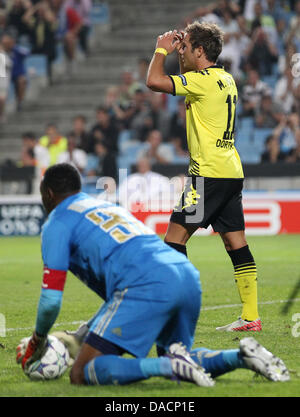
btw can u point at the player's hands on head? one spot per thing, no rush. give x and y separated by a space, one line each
180 37
31 349
169 40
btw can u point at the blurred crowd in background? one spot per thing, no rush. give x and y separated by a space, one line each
261 47
37 27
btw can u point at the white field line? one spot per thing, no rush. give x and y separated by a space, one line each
239 305
55 325
202 309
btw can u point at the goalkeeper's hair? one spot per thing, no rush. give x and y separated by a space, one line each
207 35
62 179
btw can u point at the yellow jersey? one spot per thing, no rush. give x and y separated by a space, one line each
56 148
211 98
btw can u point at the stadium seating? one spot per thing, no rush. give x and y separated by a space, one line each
128 154
244 143
270 80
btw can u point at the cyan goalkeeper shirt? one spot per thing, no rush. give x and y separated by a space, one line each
102 244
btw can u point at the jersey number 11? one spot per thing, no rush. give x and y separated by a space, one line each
229 132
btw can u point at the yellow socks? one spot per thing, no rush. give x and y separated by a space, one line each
246 279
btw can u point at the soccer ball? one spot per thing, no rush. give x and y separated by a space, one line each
53 364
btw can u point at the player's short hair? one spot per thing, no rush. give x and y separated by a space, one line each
207 35
62 179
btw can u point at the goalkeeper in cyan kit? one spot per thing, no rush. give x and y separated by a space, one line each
152 295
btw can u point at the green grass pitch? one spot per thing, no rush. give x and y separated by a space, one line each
277 259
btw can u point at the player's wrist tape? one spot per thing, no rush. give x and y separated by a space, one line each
161 51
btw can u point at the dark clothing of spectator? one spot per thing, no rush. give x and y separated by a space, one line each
18 56
14 19
83 141
266 157
107 166
42 29
261 53
178 130
107 135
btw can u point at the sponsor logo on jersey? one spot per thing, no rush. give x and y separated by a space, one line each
226 144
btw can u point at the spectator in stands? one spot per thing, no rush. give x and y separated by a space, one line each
18 72
261 53
272 152
127 88
83 8
247 10
2 22
112 104
243 26
105 130
229 24
131 117
265 22
281 26
138 115
178 130
159 113
54 142
15 15
234 50
214 10
33 154
101 163
142 70
252 93
235 43
42 24
15 55
268 114
150 114
6 46
80 133
73 155
294 27
288 133
285 60
296 106
285 90
144 188
69 27
156 151
295 154
279 9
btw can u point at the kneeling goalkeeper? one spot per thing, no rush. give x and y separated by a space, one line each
152 295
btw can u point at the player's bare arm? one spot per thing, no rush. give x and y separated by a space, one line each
157 80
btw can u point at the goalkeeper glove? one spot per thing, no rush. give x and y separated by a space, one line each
31 349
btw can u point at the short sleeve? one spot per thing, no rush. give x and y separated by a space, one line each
189 84
56 245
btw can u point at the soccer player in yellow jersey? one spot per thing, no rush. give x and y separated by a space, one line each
213 192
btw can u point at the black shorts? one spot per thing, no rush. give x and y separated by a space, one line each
211 201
